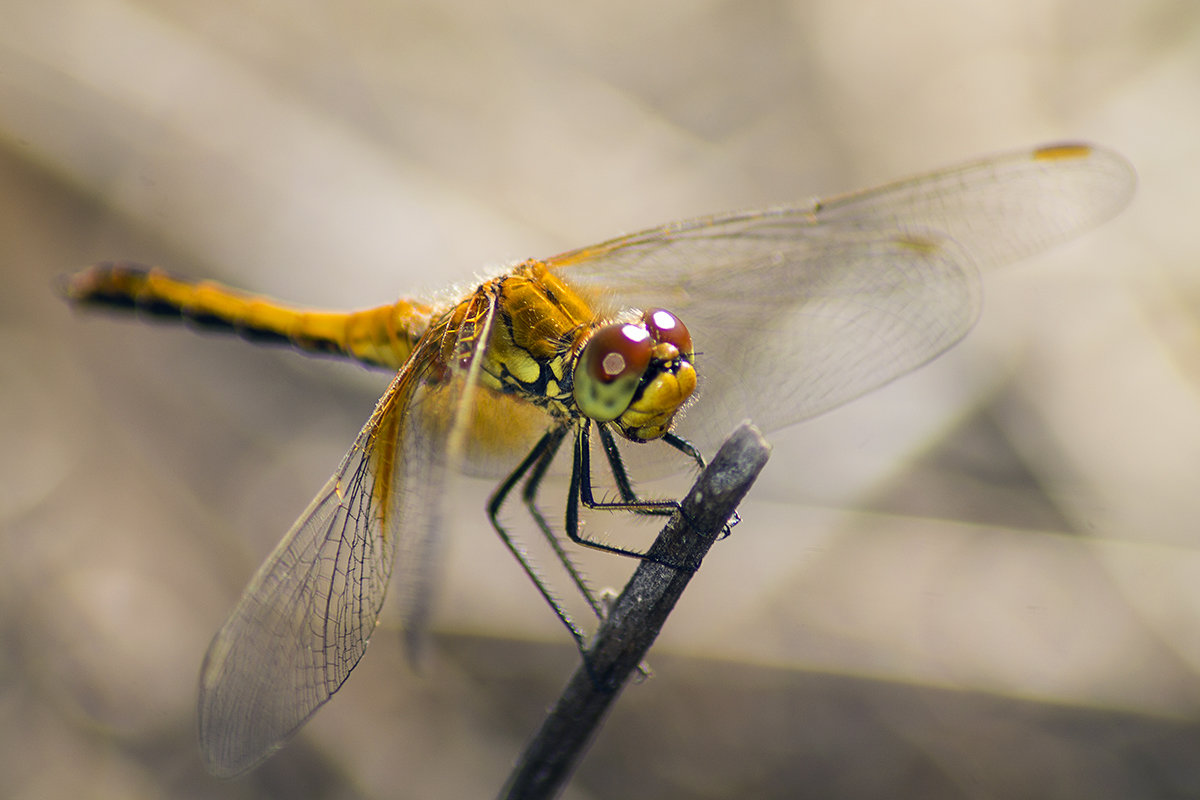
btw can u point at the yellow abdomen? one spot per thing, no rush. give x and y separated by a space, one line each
378 337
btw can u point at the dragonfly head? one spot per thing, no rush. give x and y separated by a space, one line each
636 375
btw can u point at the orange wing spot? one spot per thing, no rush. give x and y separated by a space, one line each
1058 152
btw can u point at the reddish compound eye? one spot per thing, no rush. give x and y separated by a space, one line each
666 327
609 369
616 351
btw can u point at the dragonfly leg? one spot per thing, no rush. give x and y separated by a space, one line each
581 488
535 465
529 497
689 450
685 447
629 499
580 491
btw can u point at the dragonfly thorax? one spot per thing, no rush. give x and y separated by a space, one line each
636 375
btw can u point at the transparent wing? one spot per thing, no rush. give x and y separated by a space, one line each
795 311
305 619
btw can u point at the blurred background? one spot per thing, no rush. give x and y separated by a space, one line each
981 581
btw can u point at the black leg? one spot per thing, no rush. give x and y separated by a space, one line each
630 500
616 465
538 461
689 450
685 447
580 491
532 470
529 496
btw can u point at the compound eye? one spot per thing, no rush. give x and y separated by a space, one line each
617 351
666 327
609 369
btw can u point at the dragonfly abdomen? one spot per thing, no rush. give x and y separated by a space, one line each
378 337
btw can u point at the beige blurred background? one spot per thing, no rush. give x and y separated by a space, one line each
982 581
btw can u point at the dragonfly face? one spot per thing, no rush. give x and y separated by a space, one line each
636 375
795 310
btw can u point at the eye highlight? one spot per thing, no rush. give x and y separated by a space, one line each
666 327
610 367
617 350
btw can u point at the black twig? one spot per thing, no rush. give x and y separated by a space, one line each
637 616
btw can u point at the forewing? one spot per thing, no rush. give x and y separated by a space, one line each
795 311
304 621
999 209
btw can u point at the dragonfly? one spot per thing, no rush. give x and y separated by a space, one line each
657 342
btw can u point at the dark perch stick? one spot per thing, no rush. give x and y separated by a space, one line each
637 616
